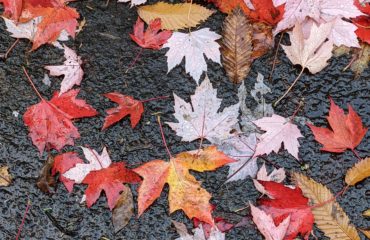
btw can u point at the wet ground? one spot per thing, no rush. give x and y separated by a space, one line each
107 50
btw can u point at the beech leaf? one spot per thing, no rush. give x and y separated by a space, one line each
358 172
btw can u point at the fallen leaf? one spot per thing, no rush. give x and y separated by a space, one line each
266 225
265 11
63 163
5 178
277 175
12 8
285 202
241 148
150 38
201 118
50 122
133 2
227 6
199 233
329 217
362 22
175 16
278 130
185 191
220 223
262 109
126 106
123 211
237 46
358 172
366 232
56 17
311 53
366 213
263 39
110 180
193 46
346 131
361 59
45 180
96 162
71 69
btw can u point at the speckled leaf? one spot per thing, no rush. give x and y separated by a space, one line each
123 211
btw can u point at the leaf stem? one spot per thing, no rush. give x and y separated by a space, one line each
275 57
135 60
290 88
341 192
163 139
96 157
153 99
32 84
5 56
23 219
356 154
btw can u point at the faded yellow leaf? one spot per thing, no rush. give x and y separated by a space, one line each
366 213
5 178
330 217
175 16
358 172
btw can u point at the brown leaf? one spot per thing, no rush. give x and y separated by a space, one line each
330 217
5 178
237 46
366 232
263 40
123 211
366 213
358 172
45 180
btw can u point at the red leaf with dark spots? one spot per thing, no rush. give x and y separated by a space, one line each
50 122
150 38
346 131
63 163
285 202
126 106
110 180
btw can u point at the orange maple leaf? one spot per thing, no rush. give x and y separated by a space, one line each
185 191
56 17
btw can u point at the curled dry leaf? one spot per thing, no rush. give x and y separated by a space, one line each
5 178
358 172
236 48
71 69
330 217
175 16
45 180
123 211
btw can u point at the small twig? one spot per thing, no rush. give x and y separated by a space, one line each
290 88
32 84
23 219
5 56
163 138
275 57
349 64
135 60
153 99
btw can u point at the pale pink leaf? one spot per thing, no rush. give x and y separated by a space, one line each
71 69
266 225
279 130
277 175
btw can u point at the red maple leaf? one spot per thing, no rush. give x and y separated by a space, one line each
110 180
50 122
63 163
285 202
346 131
264 10
12 8
56 17
363 22
150 38
127 105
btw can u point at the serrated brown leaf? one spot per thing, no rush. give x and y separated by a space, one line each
5 178
330 217
45 180
237 46
175 16
358 172
123 211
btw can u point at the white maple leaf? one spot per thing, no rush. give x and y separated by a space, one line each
133 2
199 233
193 46
240 148
28 30
266 225
201 119
71 69
262 109
96 162
278 130
311 53
277 175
